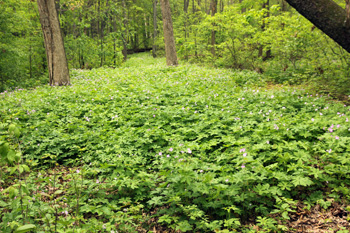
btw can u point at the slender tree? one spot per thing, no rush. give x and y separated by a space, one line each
186 6
328 16
194 10
243 9
170 49
55 53
266 5
222 6
125 37
284 5
214 9
155 28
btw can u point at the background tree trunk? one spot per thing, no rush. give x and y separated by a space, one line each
55 53
126 33
214 9
266 5
243 10
328 16
155 28
194 10
284 5
186 5
170 49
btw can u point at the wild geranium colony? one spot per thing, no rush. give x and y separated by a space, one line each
187 148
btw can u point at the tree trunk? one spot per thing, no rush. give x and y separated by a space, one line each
214 5
100 22
114 23
222 6
266 5
243 9
283 5
126 34
328 16
145 34
55 53
30 61
155 28
170 49
186 5
194 10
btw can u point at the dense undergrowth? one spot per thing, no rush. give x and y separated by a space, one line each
187 148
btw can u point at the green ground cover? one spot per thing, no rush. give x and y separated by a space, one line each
188 148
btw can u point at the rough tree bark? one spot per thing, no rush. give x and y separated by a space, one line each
55 53
328 16
170 49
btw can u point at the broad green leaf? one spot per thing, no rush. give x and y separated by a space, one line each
25 228
4 148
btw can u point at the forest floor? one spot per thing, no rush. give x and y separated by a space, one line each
150 148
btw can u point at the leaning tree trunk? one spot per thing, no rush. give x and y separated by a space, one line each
327 16
170 50
55 53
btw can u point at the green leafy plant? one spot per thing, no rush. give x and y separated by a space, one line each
184 148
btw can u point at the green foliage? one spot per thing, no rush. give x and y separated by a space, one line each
189 148
8 141
274 40
22 56
282 44
84 52
96 31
